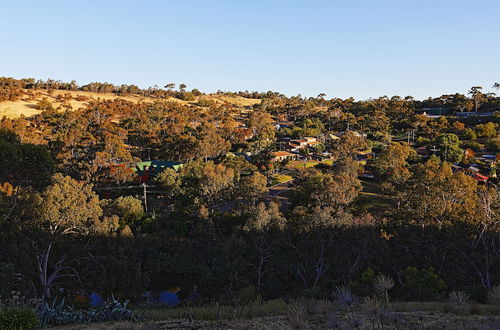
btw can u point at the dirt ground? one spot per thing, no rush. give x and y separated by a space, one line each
399 321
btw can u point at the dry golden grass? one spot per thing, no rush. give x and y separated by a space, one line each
235 100
27 106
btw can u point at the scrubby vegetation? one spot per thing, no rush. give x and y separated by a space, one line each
385 204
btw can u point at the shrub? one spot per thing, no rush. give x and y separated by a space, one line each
7 276
247 295
17 318
476 146
469 134
207 103
44 105
422 284
493 144
363 286
186 96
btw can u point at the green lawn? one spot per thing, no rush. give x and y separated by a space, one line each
296 164
279 178
373 199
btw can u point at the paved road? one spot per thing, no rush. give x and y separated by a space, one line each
280 188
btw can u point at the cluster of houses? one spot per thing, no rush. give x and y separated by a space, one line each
436 112
293 147
471 171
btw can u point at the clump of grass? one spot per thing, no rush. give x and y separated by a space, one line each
494 295
372 305
216 311
318 307
332 321
13 318
460 300
347 300
296 314
344 296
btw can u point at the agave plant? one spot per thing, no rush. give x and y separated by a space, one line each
382 284
113 310
494 295
58 313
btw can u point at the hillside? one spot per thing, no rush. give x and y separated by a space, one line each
27 105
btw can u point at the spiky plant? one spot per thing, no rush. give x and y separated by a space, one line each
494 295
332 321
459 299
346 299
296 313
382 284
344 296
372 305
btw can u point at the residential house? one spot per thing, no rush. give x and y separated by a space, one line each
304 142
150 169
327 138
279 156
434 112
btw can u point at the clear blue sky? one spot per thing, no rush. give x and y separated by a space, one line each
360 48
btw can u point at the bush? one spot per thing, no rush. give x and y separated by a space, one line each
17 319
363 286
493 144
186 96
476 146
422 141
207 103
422 284
7 276
247 295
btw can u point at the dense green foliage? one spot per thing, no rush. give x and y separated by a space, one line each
18 318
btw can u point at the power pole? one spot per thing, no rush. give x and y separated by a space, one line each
145 197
